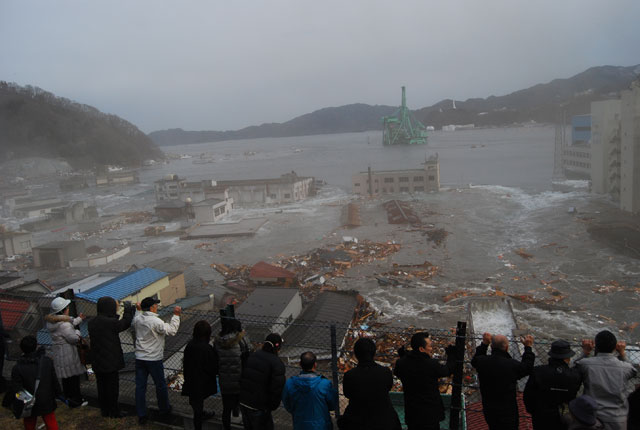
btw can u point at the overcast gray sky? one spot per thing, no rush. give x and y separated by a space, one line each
218 65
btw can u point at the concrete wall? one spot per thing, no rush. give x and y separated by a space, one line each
630 150
268 192
176 290
289 314
17 244
150 290
605 147
100 260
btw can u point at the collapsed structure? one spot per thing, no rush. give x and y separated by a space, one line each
379 182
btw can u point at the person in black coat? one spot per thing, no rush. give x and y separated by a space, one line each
552 386
33 364
419 373
367 387
261 385
499 374
106 352
200 367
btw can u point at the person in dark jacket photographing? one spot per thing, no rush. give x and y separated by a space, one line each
551 387
106 352
261 384
419 373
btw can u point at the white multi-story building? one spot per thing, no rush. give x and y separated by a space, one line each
615 166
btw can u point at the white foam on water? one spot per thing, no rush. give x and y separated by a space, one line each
496 321
532 202
557 323
573 183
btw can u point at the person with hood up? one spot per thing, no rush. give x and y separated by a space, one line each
551 387
263 378
367 387
64 351
106 352
33 365
200 367
309 397
232 346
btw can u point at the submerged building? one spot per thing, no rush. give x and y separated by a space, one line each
379 182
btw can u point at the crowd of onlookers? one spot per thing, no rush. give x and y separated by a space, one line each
253 383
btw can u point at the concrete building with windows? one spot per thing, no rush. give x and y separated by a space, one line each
210 210
270 310
287 188
576 154
15 242
616 148
380 182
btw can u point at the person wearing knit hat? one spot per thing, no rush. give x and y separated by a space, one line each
606 378
582 415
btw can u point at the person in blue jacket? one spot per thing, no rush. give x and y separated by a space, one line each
309 397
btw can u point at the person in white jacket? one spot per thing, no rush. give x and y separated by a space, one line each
150 332
64 339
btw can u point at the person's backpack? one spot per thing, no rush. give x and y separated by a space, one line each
23 400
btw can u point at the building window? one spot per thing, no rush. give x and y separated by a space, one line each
418 189
272 196
403 179
404 189
287 195
418 178
391 189
432 178
388 180
357 184
384 190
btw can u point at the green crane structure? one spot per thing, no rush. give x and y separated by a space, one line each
402 128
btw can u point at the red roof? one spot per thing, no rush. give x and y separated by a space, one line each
12 311
263 270
475 418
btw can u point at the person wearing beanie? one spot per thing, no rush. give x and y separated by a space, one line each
581 415
606 378
106 352
261 385
367 387
552 386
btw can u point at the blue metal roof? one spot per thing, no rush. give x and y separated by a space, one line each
124 285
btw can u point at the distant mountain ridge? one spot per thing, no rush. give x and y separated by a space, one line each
544 103
34 122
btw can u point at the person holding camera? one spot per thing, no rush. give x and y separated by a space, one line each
419 373
106 352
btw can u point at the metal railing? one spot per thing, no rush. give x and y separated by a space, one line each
332 343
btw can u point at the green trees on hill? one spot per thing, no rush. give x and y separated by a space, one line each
34 122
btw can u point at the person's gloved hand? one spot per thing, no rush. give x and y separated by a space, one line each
402 352
450 350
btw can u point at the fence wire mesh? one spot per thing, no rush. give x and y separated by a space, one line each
24 315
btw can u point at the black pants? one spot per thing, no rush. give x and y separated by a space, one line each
71 390
256 420
498 420
229 403
108 389
197 404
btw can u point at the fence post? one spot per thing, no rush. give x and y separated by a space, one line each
334 363
456 393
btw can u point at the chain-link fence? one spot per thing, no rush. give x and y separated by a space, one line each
332 344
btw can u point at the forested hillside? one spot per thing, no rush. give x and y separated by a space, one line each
34 122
